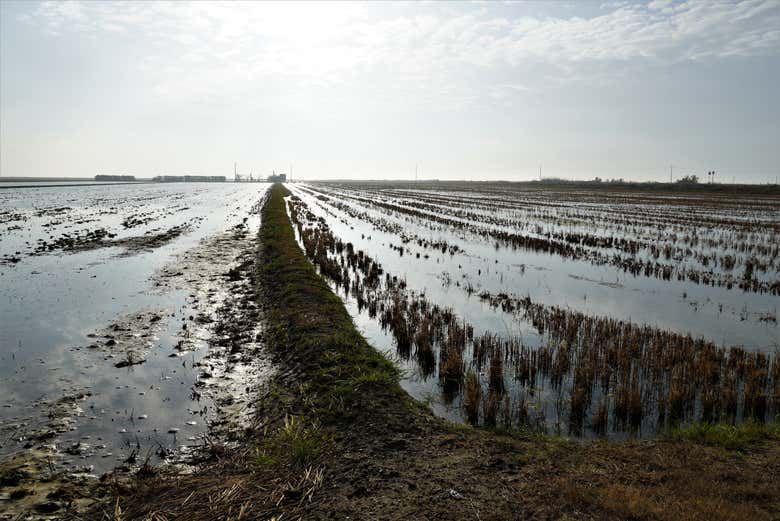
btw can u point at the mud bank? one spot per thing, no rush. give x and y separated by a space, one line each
336 437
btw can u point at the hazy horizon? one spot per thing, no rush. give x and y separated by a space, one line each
478 91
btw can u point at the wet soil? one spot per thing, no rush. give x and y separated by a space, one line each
102 238
30 489
129 338
31 485
235 368
222 318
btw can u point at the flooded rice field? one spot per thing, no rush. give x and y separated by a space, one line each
127 329
585 313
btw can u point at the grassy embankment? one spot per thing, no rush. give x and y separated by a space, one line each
340 438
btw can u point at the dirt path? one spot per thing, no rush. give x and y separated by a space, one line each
337 438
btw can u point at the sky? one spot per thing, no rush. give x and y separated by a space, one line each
464 90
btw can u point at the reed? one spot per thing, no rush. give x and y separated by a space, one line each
473 397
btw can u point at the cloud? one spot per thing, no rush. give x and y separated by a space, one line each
660 5
205 45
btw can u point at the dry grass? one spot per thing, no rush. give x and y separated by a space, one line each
473 397
621 501
673 481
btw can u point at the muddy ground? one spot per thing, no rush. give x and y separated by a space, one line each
222 317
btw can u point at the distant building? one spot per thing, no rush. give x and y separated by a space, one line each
277 178
189 179
205 178
111 177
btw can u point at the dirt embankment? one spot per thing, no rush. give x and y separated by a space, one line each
337 438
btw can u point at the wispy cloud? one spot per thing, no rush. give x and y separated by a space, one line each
203 45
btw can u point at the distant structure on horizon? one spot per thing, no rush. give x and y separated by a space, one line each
111 177
189 179
277 178
238 178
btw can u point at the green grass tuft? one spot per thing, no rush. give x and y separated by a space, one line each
731 437
296 444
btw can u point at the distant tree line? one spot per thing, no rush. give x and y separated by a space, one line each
688 180
685 180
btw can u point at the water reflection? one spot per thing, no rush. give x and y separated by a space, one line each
487 285
54 306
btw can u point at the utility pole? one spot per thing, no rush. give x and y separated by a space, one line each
671 167
291 172
415 173
540 172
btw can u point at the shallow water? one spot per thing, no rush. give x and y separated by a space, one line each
728 317
54 305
